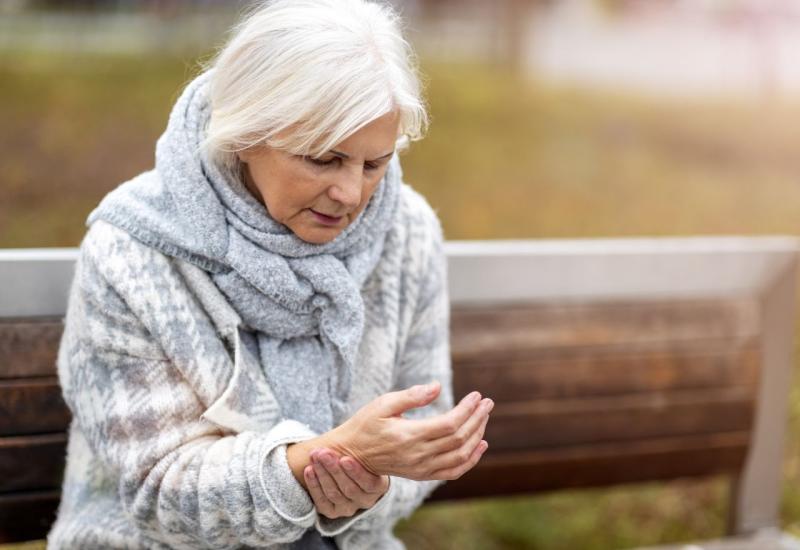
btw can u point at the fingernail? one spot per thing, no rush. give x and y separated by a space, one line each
488 405
347 465
474 397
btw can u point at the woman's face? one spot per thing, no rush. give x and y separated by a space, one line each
318 197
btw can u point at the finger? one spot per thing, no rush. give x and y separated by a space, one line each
367 481
397 402
346 486
462 454
449 422
323 505
329 486
458 471
464 433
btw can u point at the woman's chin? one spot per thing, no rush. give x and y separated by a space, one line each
320 235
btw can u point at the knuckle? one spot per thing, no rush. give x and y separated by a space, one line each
450 426
450 445
383 400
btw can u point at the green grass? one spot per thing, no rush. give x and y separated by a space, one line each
590 520
505 158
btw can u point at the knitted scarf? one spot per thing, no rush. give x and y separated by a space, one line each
302 300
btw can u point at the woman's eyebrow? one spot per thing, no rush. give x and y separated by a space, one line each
386 156
346 156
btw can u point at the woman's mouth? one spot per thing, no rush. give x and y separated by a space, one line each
327 220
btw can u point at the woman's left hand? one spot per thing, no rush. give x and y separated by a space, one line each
340 486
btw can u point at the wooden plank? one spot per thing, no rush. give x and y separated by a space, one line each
33 462
27 516
512 473
28 347
531 327
32 406
764 540
543 424
586 372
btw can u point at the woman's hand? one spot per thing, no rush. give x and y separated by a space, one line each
340 486
442 447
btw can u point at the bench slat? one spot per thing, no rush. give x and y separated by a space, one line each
534 327
27 516
543 424
34 462
509 473
28 347
31 406
769 539
587 372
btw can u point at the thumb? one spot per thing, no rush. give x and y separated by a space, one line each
397 402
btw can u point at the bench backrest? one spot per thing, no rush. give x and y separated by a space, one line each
609 362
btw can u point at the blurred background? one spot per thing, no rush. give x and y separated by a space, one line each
550 118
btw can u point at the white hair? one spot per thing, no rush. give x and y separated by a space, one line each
315 72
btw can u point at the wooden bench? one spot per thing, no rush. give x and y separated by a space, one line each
609 361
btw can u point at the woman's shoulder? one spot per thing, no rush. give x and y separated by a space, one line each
104 237
420 220
104 240
118 257
423 250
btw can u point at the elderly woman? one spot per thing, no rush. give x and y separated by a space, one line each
256 344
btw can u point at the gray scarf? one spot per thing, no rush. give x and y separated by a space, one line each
302 300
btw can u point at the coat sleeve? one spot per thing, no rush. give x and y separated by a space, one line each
424 358
183 481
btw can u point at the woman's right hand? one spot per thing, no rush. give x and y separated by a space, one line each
442 447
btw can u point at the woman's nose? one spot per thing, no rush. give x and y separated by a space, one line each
347 189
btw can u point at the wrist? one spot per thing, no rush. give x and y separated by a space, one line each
298 455
337 440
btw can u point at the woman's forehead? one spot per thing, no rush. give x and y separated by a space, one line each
374 140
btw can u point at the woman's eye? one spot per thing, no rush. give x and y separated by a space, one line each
370 166
320 162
